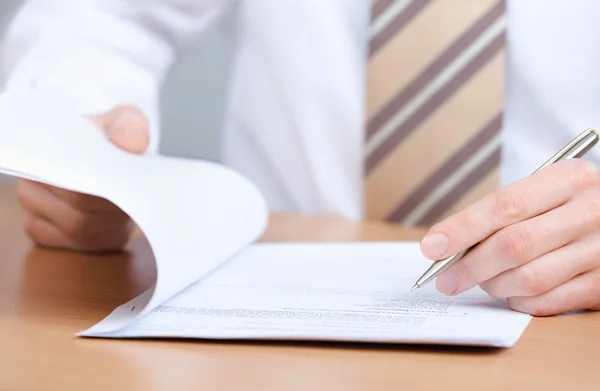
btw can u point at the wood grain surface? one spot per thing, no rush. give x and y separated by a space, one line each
47 296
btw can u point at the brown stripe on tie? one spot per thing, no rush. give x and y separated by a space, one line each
461 189
438 138
435 102
440 63
396 25
448 89
379 7
488 184
446 169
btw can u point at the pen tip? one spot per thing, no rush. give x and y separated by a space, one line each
415 287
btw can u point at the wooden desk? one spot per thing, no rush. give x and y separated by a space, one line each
45 297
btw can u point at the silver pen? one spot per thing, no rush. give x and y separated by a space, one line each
575 149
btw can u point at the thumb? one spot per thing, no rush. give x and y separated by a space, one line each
127 127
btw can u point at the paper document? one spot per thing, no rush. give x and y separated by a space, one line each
213 280
347 292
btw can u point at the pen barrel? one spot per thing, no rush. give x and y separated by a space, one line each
575 149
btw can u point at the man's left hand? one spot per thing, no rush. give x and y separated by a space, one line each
540 242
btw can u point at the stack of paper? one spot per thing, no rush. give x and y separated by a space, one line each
213 280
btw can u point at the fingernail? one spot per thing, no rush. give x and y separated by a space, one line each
129 131
435 245
129 122
447 283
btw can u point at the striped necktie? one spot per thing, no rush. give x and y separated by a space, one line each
434 107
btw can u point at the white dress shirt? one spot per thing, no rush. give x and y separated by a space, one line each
553 80
294 118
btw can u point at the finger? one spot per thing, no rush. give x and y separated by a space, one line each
46 234
39 201
85 202
105 119
546 272
579 293
127 127
524 199
518 244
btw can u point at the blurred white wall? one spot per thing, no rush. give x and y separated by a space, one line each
192 99
7 7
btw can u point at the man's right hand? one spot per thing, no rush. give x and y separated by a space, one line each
58 218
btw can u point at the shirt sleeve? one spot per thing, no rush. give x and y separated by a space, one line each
97 54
